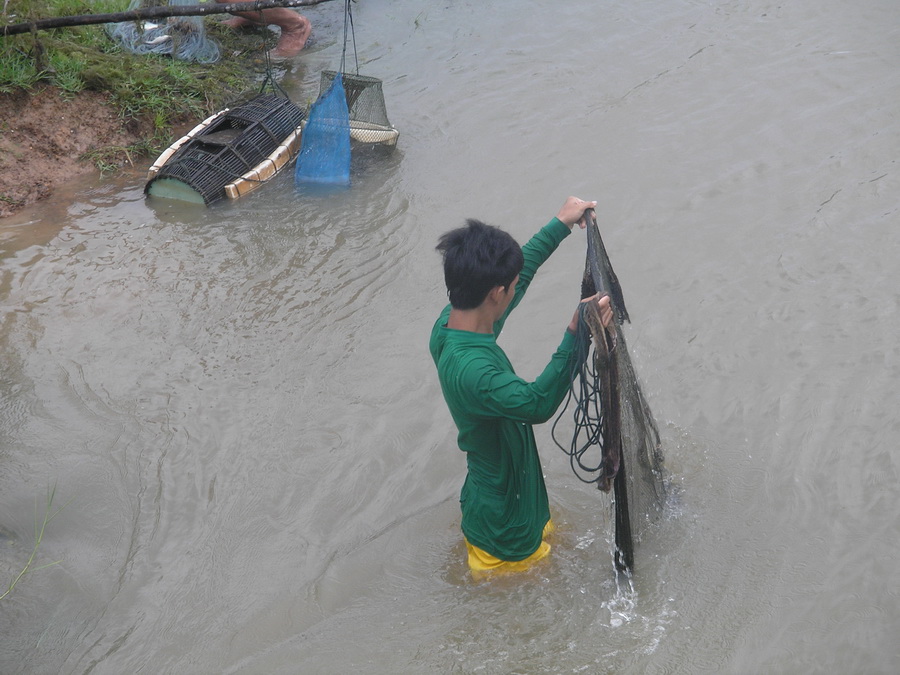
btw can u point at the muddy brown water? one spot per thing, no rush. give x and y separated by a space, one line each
238 410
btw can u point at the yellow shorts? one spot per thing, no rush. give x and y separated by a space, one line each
482 561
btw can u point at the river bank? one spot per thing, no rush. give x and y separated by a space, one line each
72 102
47 138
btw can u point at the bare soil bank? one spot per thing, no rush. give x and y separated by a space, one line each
44 138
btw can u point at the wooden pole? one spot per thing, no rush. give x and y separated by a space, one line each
151 13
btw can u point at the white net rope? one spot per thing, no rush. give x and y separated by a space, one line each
182 37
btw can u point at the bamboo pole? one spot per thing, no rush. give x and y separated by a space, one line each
151 13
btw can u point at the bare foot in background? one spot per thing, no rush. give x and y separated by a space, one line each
295 28
236 22
293 38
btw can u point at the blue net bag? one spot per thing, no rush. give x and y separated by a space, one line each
325 144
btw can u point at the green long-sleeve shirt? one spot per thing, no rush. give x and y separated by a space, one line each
504 500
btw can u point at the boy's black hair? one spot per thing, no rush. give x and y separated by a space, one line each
477 258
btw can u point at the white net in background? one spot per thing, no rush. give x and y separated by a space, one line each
181 37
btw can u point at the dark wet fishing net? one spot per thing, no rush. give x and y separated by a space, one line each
616 442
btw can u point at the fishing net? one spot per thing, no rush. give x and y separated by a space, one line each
325 144
350 106
182 37
367 112
616 443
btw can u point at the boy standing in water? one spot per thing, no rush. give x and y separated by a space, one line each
505 511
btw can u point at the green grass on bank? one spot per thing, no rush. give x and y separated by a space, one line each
155 89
